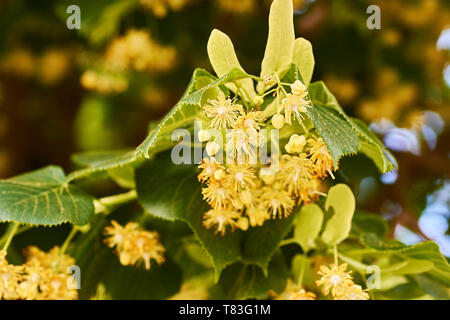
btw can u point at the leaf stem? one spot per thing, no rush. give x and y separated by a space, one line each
287 241
69 238
13 229
335 250
106 204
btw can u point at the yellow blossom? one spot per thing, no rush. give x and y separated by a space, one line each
295 144
220 219
293 292
137 50
45 276
294 106
334 279
212 148
321 157
217 195
295 172
278 121
209 167
276 201
222 111
240 177
133 244
299 89
203 136
10 276
353 292
250 122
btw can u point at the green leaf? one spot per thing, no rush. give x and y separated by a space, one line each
172 192
369 143
182 114
409 266
337 134
260 243
44 197
340 198
185 111
368 223
196 98
280 41
428 251
373 148
130 282
96 161
307 226
404 291
246 281
223 59
303 58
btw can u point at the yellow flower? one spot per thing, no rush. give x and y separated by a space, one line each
240 177
295 172
257 215
294 106
250 122
132 244
278 121
161 7
243 144
217 195
353 292
276 200
220 219
299 89
51 260
293 292
54 286
239 7
222 111
209 167
334 279
295 144
212 148
45 276
321 157
203 136
309 191
10 276
137 50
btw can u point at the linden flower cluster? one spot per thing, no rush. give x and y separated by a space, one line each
241 193
137 50
103 82
340 283
43 276
293 292
132 244
160 8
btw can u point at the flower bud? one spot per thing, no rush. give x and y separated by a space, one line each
258 100
212 148
243 223
278 121
295 144
219 174
203 135
298 88
246 197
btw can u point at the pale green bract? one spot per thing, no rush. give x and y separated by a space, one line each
340 198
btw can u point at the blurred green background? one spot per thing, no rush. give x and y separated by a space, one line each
65 91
